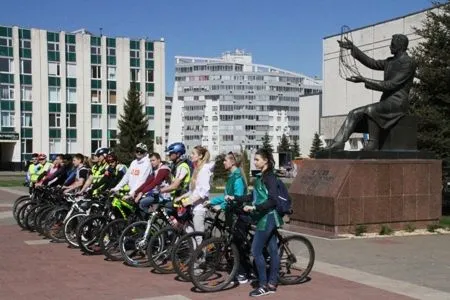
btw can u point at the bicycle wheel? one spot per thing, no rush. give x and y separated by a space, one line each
30 216
297 257
109 239
41 217
23 211
213 265
70 229
18 204
159 249
89 231
182 251
134 241
54 226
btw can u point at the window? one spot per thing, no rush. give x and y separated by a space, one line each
5 41
95 50
95 144
7 92
112 121
27 146
26 120
96 121
111 51
149 75
54 69
55 146
70 48
134 74
96 96
71 146
134 53
25 66
71 70
111 73
53 94
111 97
214 108
214 118
71 120
7 119
53 46
71 95
149 55
6 65
54 120
96 72
26 93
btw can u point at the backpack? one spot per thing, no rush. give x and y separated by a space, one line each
284 202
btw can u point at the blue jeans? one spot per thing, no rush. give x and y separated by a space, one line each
260 241
146 202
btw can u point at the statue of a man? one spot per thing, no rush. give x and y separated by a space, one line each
399 71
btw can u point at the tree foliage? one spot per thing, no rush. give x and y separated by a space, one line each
266 142
316 145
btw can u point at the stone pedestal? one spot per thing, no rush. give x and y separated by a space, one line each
336 195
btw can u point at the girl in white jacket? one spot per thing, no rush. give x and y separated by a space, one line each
199 186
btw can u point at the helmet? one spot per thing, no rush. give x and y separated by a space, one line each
101 151
34 155
184 213
111 157
42 156
176 148
142 146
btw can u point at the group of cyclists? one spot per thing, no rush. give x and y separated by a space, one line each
185 182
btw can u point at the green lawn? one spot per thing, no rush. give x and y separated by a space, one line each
445 222
11 181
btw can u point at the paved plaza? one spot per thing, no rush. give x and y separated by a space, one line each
380 268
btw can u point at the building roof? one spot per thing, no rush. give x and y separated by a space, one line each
388 20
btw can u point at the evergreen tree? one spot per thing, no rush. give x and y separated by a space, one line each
284 144
219 169
133 126
430 97
295 149
316 146
266 144
245 164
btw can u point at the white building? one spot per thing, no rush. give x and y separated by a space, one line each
168 113
229 103
341 96
64 92
310 110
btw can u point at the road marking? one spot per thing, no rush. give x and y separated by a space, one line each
6 215
171 297
37 242
13 191
380 282
6 205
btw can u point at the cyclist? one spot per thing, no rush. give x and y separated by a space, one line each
43 167
180 171
138 171
113 175
32 169
236 186
97 171
262 208
81 174
198 188
57 164
148 193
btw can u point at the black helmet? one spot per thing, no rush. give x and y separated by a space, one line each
101 151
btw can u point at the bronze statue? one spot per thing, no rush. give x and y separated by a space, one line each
399 73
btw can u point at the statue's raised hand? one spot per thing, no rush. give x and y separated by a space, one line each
356 79
346 44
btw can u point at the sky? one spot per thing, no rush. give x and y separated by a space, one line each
283 33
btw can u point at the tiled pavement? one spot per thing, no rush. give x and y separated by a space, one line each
32 269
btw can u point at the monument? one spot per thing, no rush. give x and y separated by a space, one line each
389 182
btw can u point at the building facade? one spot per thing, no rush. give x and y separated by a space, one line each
341 96
229 103
168 113
63 92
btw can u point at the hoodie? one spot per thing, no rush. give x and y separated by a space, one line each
136 175
202 184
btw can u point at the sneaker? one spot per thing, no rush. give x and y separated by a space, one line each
261 291
241 279
272 289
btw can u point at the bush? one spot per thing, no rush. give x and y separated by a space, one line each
360 230
433 227
410 227
386 230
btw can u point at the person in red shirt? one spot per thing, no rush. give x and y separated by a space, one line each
148 193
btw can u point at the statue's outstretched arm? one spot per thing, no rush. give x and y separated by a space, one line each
403 74
368 61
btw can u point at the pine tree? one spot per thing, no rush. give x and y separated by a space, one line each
133 126
219 169
316 146
430 97
284 144
266 144
295 149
